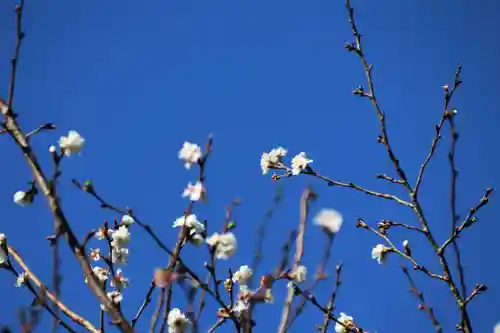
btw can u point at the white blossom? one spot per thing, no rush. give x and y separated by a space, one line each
22 198
272 158
241 306
379 253
496 329
346 320
177 321
299 275
120 237
115 296
197 239
127 220
190 153
52 149
243 274
3 249
21 279
72 143
119 281
330 219
194 192
102 233
95 254
101 273
299 163
405 243
189 221
225 244
119 255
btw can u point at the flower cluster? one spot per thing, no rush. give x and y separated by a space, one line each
118 238
274 160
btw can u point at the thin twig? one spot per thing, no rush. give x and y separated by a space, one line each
423 305
46 293
331 302
159 306
145 303
299 252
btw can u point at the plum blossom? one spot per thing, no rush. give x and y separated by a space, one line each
95 254
242 275
21 279
103 233
496 329
52 149
72 143
101 273
194 192
346 321
379 253
272 158
127 220
224 245
189 221
23 198
115 296
120 237
119 281
119 255
299 274
329 219
177 321
190 153
299 163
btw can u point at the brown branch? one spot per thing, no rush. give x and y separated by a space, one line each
447 99
331 302
320 276
261 232
61 225
356 47
423 305
159 306
166 310
469 220
46 293
312 299
145 303
299 252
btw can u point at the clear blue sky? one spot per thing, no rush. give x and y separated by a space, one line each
136 79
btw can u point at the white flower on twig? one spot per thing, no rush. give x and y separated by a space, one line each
190 153
120 237
101 273
329 219
119 255
23 198
379 253
299 163
95 254
177 321
189 221
194 192
345 323
242 275
299 275
127 220
119 281
224 245
115 296
102 233
21 279
72 143
273 158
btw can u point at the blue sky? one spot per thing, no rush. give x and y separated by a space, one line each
137 79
